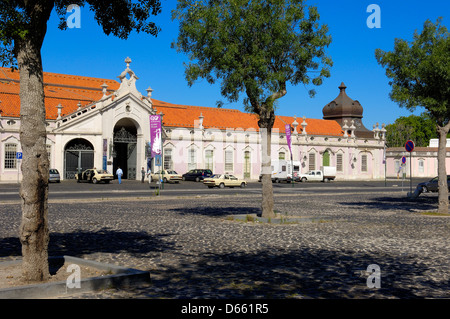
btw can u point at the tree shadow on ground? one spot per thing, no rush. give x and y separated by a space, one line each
298 274
138 244
397 203
268 273
217 211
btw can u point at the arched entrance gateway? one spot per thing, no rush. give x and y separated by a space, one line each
78 156
125 152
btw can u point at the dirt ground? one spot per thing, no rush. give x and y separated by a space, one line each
11 276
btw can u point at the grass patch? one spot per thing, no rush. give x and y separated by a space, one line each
434 214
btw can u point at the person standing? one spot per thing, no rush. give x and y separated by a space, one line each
119 174
149 175
142 174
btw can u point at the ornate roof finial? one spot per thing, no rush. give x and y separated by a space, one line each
200 122
104 89
127 85
59 107
304 125
128 61
295 124
149 92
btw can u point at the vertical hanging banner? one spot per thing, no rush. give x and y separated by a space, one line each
155 135
288 137
105 152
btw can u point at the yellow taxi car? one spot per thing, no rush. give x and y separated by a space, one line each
167 176
224 180
94 176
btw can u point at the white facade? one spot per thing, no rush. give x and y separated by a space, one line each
114 131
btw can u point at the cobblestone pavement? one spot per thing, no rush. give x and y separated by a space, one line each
193 250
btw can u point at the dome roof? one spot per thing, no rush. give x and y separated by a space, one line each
344 110
342 107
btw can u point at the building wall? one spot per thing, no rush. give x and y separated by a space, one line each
424 164
355 158
359 159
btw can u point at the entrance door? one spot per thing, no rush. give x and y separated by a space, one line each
78 156
125 141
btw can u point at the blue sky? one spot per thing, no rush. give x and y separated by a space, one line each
87 51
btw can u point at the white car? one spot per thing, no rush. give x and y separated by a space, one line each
167 176
311 176
224 180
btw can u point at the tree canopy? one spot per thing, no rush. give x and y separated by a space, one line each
20 19
418 128
420 71
253 47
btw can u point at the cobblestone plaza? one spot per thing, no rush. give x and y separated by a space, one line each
194 250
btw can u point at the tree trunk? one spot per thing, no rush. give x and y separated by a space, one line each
442 170
266 170
33 232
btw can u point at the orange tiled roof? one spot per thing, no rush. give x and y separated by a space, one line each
69 90
219 118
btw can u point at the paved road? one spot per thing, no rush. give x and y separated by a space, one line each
136 189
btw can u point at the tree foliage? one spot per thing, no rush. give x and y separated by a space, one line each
419 129
420 71
18 19
254 47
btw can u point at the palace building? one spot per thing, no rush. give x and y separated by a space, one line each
104 123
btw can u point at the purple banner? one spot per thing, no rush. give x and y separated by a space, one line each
155 135
288 136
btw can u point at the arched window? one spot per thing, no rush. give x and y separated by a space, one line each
326 158
168 163
229 161
421 166
209 160
192 159
339 161
247 164
312 161
364 163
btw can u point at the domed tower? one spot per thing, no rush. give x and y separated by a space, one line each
344 110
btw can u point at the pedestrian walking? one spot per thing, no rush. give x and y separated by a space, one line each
149 175
119 174
143 175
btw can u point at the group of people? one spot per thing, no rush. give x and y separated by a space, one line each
119 174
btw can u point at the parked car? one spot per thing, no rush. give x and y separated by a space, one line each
197 175
54 176
282 171
167 176
95 176
432 185
326 174
224 180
